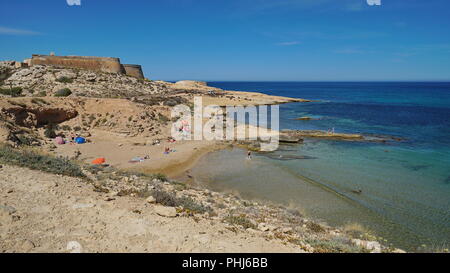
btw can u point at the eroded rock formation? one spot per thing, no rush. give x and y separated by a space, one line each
38 117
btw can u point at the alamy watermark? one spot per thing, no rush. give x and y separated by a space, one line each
73 2
374 2
230 123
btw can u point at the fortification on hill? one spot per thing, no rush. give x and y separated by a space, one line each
101 64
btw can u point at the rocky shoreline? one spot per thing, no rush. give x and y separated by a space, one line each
297 136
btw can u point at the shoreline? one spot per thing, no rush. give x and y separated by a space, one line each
178 169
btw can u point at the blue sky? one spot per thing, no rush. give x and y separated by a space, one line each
255 40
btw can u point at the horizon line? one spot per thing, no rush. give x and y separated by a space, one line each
324 81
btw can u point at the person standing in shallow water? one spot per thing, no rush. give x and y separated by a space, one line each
249 155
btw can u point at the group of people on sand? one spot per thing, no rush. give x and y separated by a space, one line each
185 129
330 131
167 150
73 139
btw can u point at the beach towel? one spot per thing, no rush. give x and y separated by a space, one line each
136 160
99 161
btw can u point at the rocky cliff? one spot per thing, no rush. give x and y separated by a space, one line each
40 80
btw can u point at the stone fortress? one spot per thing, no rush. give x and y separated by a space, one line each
99 64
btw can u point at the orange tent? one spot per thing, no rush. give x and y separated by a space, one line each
99 161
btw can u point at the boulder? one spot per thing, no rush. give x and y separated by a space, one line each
166 211
373 246
150 200
170 102
91 77
6 214
288 138
26 246
65 74
266 227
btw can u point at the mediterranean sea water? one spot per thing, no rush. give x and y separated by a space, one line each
405 186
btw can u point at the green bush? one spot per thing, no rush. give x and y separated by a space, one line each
66 128
171 200
50 131
24 140
13 92
160 176
191 205
23 105
162 118
39 101
63 92
64 80
336 245
35 161
164 198
240 220
315 227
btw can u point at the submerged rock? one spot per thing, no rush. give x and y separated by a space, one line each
289 138
305 118
288 157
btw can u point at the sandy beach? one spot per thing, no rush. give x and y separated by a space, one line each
120 152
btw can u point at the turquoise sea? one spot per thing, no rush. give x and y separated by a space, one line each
405 185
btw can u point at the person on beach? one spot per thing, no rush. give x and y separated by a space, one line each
72 139
249 155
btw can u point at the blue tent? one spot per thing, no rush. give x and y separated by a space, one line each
80 140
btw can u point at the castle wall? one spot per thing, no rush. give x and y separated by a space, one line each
133 70
111 65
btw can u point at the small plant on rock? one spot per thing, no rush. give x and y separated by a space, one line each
160 176
240 220
13 91
50 131
65 92
64 80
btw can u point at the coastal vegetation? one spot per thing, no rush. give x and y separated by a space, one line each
38 161
13 91
65 92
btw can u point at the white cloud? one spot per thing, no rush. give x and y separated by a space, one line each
16 31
